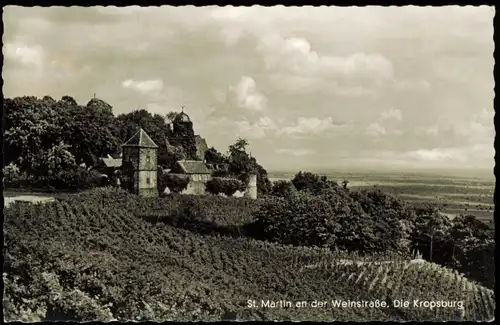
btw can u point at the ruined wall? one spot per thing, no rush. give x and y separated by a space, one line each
251 191
197 184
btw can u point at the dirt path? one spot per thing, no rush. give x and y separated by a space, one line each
27 198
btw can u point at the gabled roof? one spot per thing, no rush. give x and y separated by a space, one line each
193 167
112 162
140 139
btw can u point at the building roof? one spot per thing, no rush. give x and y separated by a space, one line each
112 162
193 167
140 139
182 117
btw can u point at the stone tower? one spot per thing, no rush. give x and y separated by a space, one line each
251 190
183 134
139 164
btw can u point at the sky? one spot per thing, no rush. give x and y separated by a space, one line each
310 88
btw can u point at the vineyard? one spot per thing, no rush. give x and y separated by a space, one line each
83 260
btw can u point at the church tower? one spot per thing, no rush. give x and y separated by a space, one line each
184 134
139 164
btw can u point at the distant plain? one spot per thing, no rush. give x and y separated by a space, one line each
452 194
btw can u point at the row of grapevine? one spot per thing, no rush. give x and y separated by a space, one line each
125 268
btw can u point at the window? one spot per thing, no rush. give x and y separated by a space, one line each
148 159
148 180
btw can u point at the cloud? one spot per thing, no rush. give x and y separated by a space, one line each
472 129
257 130
296 55
391 114
308 125
245 95
296 152
24 54
283 64
143 86
375 130
432 131
462 154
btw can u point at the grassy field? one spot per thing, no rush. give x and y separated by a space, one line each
453 195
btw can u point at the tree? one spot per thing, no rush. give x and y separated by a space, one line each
212 156
393 218
282 188
54 160
223 185
89 130
175 183
313 183
31 125
302 220
430 233
241 165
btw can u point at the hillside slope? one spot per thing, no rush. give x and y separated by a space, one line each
82 262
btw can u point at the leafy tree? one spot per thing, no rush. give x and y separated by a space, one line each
175 183
88 129
282 188
394 219
430 234
54 160
313 183
241 165
223 185
212 156
173 116
11 172
31 125
302 220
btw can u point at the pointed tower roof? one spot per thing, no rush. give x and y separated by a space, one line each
140 139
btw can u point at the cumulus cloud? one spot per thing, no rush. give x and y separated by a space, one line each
391 114
308 125
246 95
256 130
24 54
432 131
296 55
462 154
143 86
375 130
473 129
295 152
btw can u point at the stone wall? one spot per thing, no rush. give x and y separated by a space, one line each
251 191
197 184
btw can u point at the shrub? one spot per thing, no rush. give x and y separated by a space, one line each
175 182
283 188
227 186
11 173
306 181
76 179
298 220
